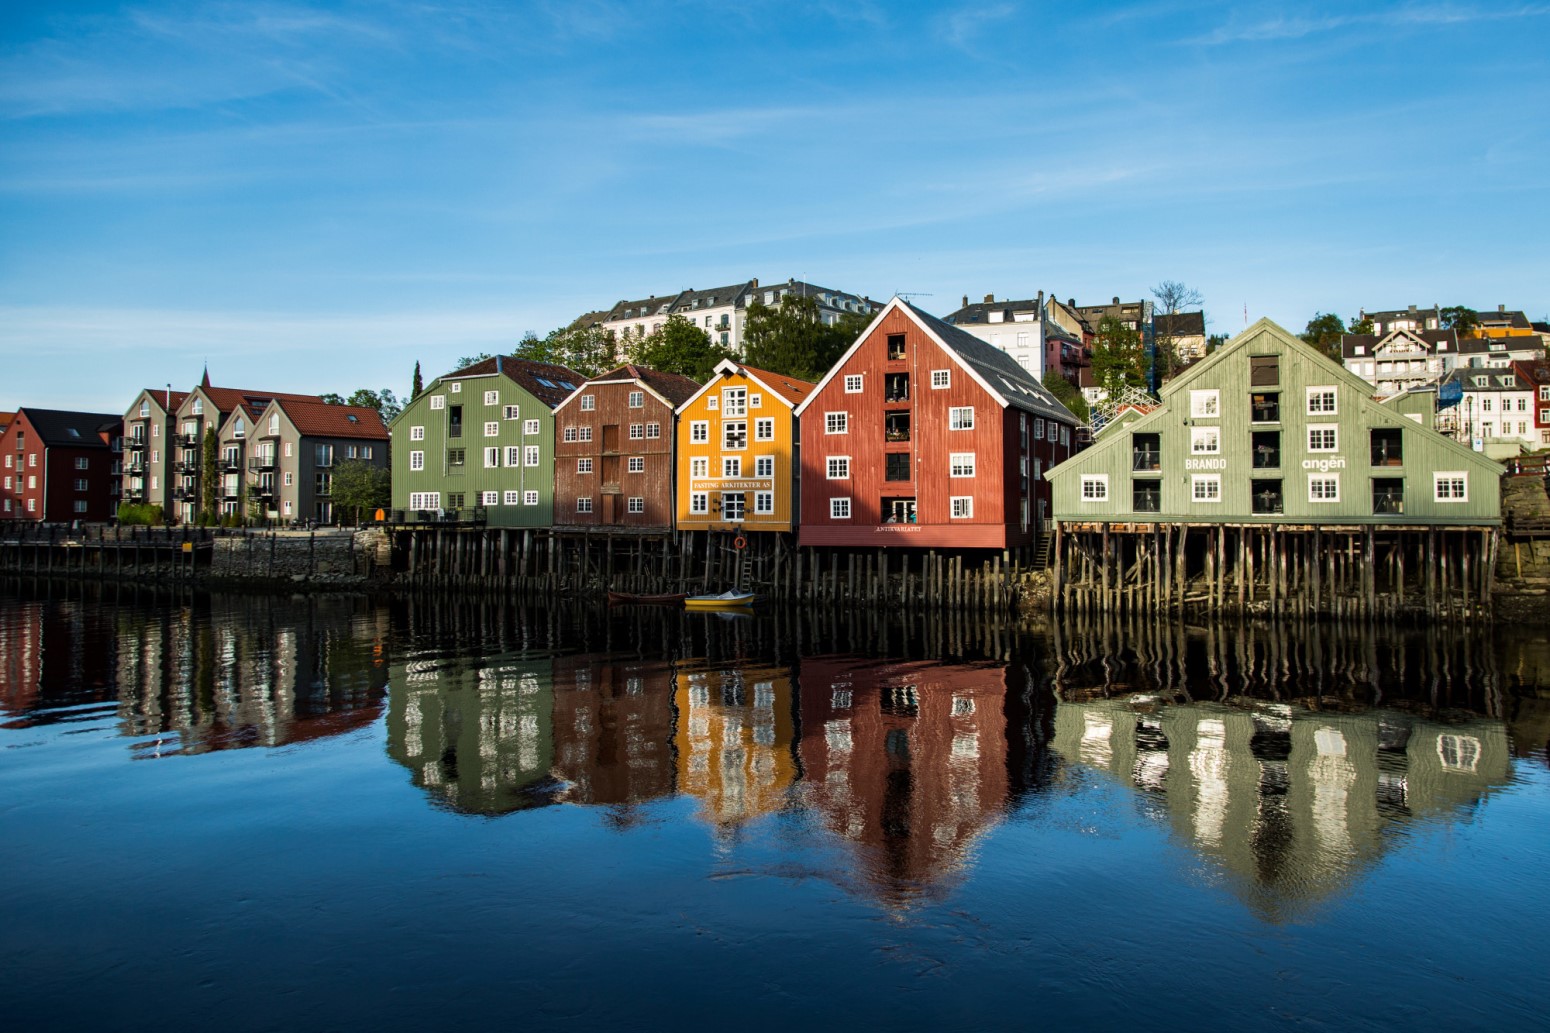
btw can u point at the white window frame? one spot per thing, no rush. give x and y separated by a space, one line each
1450 476
836 422
960 464
653 431
513 455
1205 441
492 457
839 508
734 401
699 466
438 401
588 403
531 455
854 383
513 498
699 432
637 399
1205 404
492 398
636 504
584 464
637 432
1323 478
1321 429
699 503
417 462
1095 487
960 417
837 468
731 467
530 497
635 464
764 466
492 428
763 503
584 503
511 412
455 388
941 378
1205 487
489 498
1322 393
530 427
764 428
960 507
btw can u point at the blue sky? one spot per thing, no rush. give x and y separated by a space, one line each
315 196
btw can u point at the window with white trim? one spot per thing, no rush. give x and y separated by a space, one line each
492 457
838 468
731 466
513 498
530 498
941 378
852 387
1450 486
438 401
1323 487
764 428
1205 405
637 432
637 504
529 426
1205 440
836 423
734 434
763 502
417 462
570 434
1321 401
756 401
1323 437
653 431
699 431
492 398
492 429
490 498
839 509
584 465
588 403
513 455
1205 487
699 466
712 403
455 388
637 399
586 432
1038 427
1095 487
511 412
764 466
425 500
530 455
960 464
961 507
960 417
584 504
734 401
637 464
699 502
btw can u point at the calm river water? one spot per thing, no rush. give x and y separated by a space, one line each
255 813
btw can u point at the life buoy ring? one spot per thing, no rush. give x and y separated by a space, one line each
740 542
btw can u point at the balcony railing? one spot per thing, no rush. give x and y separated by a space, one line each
188 440
1146 459
135 444
1267 502
894 436
1149 501
1387 504
261 462
231 464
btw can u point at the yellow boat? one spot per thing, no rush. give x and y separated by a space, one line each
724 601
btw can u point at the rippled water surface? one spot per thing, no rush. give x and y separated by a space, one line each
246 813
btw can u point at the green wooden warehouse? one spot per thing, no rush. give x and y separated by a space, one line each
477 445
1269 479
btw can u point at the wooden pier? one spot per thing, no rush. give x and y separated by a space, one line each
101 553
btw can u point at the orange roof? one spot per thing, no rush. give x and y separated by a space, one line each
161 395
789 388
228 398
317 419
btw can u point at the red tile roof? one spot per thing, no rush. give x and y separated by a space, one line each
547 382
320 420
789 388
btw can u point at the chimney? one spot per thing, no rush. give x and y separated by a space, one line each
1071 303
1412 309
989 298
1501 308
754 283
965 302
1041 299
1116 299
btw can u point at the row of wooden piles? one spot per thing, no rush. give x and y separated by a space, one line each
1362 572
558 561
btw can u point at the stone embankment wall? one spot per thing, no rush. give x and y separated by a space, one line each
302 557
1523 565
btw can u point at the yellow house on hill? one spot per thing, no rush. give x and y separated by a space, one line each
737 440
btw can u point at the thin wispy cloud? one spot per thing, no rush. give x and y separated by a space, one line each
965 28
1286 27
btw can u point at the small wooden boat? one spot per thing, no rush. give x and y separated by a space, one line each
724 601
643 599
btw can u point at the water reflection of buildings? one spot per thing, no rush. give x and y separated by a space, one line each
51 655
734 740
908 761
1291 802
613 730
247 673
476 735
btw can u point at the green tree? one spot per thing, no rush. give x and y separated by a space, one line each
1324 331
469 360
1119 360
793 339
209 484
360 486
1464 321
418 386
384 401
589 350
1067 394
1214 342
1362 325
679 347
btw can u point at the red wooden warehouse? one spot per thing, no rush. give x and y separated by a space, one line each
925 436
614 441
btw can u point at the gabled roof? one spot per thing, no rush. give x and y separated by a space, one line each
322 420
70 428
169 400
980 312
670 389
1496 378
993 369
645 308
548 382
1536 371
1180 324
1370 343
226 399
788 389
692 300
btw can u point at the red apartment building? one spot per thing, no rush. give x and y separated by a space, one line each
58 466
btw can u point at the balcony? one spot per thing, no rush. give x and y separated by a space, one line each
1145 460
1265 408
1146 497
1388 496
261 462
231 463
1266 498
187 440
1388 447
135 444
1266 450
896 427
896 387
